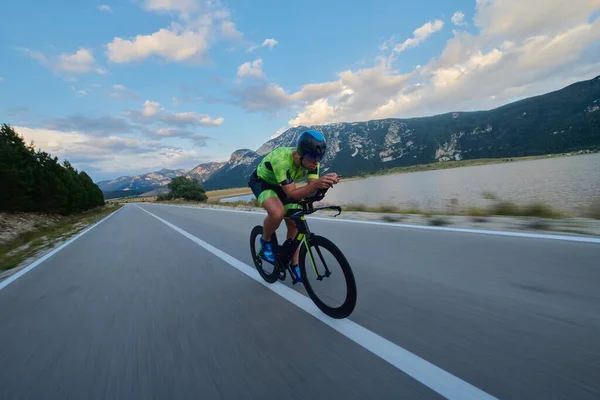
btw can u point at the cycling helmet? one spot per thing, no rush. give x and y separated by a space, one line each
311 145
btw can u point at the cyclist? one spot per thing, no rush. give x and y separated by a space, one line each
273 185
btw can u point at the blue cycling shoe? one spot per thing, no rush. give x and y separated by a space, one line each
296 269
266 250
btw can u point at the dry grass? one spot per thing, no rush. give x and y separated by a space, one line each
498 207
28 243
219 194
238 203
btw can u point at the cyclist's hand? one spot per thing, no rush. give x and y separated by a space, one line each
334 176
325 182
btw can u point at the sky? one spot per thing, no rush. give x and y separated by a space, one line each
134 86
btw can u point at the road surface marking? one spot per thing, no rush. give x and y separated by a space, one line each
37 262
423 371
583 239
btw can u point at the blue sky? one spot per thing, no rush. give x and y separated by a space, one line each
126 87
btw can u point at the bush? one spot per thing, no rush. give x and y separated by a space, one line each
541 210
505 208
594 209
477 212
184 188
163 197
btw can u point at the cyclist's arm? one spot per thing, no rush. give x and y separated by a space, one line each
289 186
298 193
313 178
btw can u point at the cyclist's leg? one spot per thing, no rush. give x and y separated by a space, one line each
275 214
291 233
289 205
267 198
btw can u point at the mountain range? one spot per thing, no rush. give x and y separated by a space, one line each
154 182
560 121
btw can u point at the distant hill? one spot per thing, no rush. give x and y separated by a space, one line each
560 121
140 183
151 182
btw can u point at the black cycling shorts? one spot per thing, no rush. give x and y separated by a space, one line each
263 190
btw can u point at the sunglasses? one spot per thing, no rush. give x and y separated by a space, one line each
312 156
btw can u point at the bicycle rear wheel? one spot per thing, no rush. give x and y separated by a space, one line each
315 244
256 233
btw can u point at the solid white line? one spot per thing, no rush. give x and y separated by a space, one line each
37 262
582 239
423 371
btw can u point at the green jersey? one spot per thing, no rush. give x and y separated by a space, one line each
278 168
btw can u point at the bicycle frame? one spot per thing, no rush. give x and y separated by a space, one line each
288 248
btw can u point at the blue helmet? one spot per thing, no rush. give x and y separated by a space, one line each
311 145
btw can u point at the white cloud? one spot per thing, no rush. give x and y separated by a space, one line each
516 19
229 30
458 18
78 92
1 79
192 118
105 8
167 132
122 92
175 44
111 154
151 108
153 112
251 69
560 49
474 71
184 7
197 139
316 113
202 23
269 42
420 35
314 91
80 62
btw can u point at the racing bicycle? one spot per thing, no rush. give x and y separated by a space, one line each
309 241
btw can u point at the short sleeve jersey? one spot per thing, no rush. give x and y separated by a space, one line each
278 168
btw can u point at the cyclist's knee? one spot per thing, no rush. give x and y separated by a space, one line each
274 208
278 213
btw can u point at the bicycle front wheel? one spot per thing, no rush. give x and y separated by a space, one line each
313 265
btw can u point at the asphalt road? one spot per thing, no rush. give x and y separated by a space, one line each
134 309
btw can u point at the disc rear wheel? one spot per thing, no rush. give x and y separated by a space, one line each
270 273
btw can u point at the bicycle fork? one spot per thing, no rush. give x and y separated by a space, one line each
302 239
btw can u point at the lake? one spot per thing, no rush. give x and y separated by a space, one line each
570 183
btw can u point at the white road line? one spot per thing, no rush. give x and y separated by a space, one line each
582 239
37 262
423 371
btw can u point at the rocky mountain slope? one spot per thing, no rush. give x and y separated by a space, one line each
559 121
204 171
